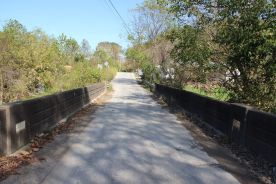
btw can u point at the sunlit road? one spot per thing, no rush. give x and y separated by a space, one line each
130 140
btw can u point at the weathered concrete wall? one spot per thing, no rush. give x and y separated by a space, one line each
3 132
261 133
21 121
242 124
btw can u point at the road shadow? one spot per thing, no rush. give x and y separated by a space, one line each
131 142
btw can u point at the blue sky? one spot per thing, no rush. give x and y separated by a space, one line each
93 20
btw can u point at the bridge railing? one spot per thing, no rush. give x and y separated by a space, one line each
242 124
21 121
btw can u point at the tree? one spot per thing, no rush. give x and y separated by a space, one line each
245 34
191 51
149 21
108 53
248 30
138 54
111 48
69 47
85 49
28 60
32 63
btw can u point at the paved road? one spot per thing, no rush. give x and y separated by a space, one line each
130 140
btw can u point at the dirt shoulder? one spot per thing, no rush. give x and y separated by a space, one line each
240 163
33 153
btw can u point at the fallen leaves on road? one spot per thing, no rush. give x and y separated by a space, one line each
10 164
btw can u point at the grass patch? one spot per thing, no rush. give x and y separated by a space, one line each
218 93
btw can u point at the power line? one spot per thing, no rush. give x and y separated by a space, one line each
117 12
110 8
124 22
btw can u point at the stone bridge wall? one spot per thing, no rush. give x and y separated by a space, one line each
242 124
21 121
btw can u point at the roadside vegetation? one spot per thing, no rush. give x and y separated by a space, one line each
33 63
222 49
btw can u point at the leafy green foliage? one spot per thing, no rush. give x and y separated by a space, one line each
149 21
242 43
247 29
138 55
32 63
215 92
108 52
191 51
150 49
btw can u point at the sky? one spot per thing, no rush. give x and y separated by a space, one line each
94 20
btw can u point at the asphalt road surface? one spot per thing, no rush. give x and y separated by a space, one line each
131 139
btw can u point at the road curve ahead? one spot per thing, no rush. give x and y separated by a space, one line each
130 140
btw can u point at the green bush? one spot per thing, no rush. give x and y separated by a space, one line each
33 64
216 92
109 73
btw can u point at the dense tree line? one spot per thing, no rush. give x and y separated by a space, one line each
34 64
216 46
